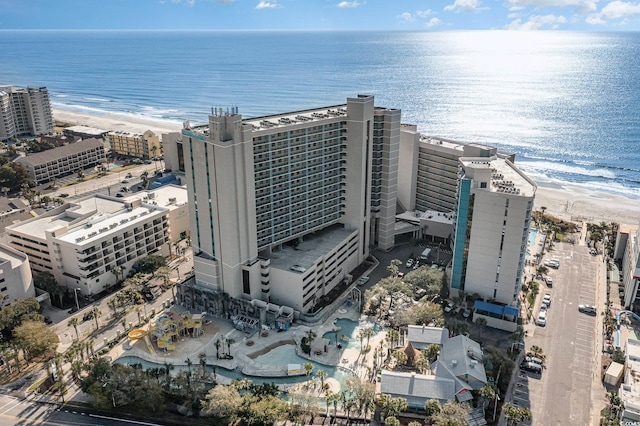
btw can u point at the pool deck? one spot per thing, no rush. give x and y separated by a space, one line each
348 358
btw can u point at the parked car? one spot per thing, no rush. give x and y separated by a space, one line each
466 313
409 263
533 359
449 307
531 367
400 274
588 309
125 181
64 195
547 299
362 281
297 268
549 281
542 318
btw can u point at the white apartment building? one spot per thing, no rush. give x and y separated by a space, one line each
24 112
80 243
284 206
64 160
16 281
493 209
428 167
145 145
627 250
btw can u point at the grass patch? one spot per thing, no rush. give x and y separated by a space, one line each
36 385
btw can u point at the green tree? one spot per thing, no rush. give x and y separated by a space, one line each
308 368
481 323
73 322
431 352
391 421
267 410
34 339
223 402
149 264
451 414
432 407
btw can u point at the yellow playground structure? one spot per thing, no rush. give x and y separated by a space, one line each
170 326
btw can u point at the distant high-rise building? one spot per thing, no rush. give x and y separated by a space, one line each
24 112
494 203
283 207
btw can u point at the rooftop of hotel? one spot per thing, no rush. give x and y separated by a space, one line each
505 177
103 208
100 223
430 215
267 122
7 254
134 134
165 196
313 247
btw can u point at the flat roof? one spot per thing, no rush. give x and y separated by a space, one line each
86 130
37 227
505 177
166 196
105 223
7 254
313 247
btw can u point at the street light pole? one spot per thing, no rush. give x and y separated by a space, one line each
75 293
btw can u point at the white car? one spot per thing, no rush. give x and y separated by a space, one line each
588 309
547 300
409 263
542 318
549 281
449 307
298 268
362 281
466 313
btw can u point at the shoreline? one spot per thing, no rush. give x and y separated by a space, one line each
563 200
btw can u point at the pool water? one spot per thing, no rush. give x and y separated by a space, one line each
337 373
348 332
532 237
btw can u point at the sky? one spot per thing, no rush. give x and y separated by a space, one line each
398 15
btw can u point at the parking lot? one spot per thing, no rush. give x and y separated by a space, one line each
562 393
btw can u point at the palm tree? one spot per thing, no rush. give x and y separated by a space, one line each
392 337
113 304
321 374
335 332
5 191
423 365
229 342
217 345
482 323
311 335
116 270
308 368
73 322
61 388
95 313
368 334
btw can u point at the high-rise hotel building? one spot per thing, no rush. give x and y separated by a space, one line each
283 207
494 204
24 112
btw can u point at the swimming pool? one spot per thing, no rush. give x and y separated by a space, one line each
337 373
532 237
348 332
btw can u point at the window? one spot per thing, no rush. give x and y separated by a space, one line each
246 285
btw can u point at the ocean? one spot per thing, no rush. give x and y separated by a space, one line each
566 103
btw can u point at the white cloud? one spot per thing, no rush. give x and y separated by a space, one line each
614 10
424 13
537 22
433 22
407 17
348 4
267 5
463 6
581 6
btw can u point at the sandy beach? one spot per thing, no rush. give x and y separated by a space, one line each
569 202
115 121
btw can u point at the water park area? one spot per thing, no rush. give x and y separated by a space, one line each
338 347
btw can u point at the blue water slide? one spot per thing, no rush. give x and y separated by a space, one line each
618 318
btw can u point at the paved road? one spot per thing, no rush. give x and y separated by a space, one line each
15 411
561 395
